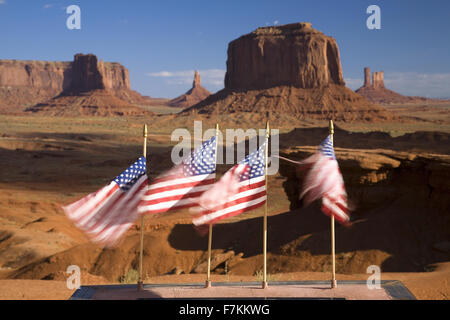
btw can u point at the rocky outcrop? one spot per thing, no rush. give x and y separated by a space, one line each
86 75
197 80
90 74
196 94
216 260
293 54
367 82
378 79
26 83
376 92
290 71
37 74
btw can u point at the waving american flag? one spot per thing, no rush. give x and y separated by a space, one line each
241 189
176 188
108 213
324 180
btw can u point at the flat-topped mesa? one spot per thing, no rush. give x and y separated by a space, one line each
83 74
294 55
26 83
33 74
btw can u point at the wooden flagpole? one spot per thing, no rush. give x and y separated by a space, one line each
264 283
333 251
140 284
208 275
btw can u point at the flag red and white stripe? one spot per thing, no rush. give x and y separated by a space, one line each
324 180
177 188
108 213
241 189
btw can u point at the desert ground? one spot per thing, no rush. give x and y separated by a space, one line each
396 174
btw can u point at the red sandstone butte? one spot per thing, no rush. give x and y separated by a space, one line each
292 70
293 54
27 83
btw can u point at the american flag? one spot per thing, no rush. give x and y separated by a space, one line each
324 180
106 214
177 188
241 189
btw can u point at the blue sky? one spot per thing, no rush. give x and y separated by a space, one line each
163 42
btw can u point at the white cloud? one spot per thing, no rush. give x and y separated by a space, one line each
273 23
432 85
2 1
212 77
166 74
48 5
419 84
353 83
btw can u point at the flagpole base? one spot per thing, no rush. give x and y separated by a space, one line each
208 284
140 286
333 284
264 285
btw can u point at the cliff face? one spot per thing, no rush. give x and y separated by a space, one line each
84 73
35 74
26 83
294 54
378 79
90 74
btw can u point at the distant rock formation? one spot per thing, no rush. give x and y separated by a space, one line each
294 54
376 92
291 69
378 79
196 94
367 82
27 83
197 82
